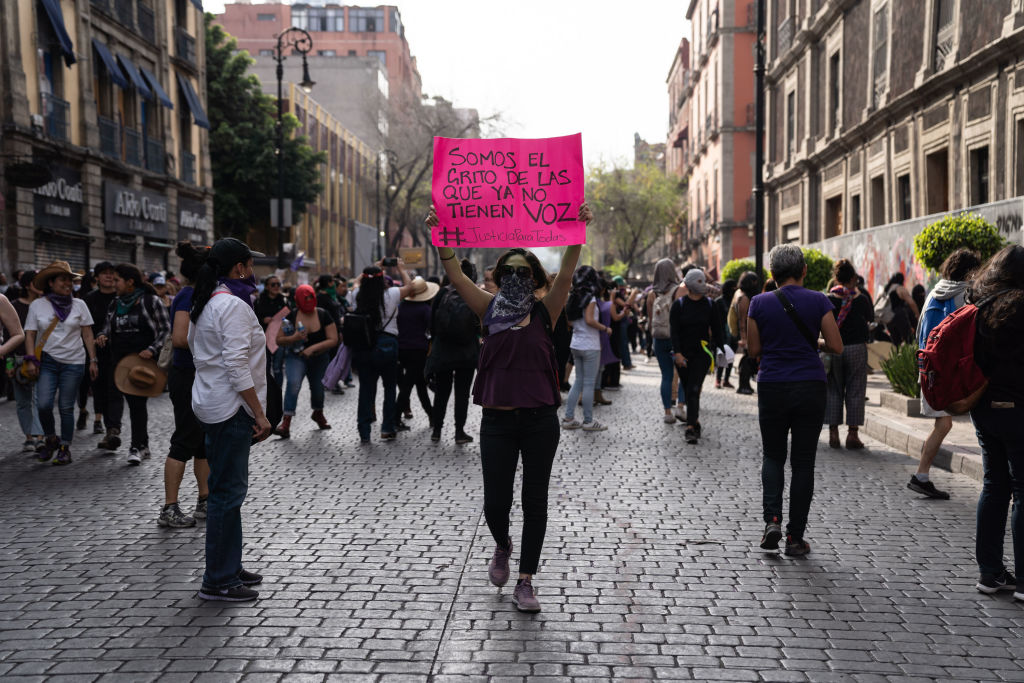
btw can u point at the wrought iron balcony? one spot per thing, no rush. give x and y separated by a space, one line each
132 147
147 23
56 112
110 137
188 168
184 45
155 155
787 29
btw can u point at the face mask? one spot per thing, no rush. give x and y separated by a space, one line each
515 288
76 287
250 280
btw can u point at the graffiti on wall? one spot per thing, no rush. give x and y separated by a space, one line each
880 252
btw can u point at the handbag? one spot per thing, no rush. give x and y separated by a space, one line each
339 367
21 373
166 356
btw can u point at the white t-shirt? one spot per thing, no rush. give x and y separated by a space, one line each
585 337
64 344
392 297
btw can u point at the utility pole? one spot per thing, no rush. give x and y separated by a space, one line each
759 142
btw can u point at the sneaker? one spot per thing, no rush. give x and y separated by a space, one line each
49 449
233 594
462 437
745 391
28 445
111 441
680 413
772 535
63 455
435 435
571 424
926 488
83 420
200 511
144 452
401 426
172 516
692 434
727 385
525 598
617 387
387 436
989 584
594 426
796 548
497 570
134 456
718 384
250 578
97 427
670 419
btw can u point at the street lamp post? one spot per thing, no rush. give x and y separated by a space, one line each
383 156
301 42
759 142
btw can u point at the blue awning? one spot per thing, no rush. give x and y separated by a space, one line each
134 77
56 16
108 61
154 83
193 103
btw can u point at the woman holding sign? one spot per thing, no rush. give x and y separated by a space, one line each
517 386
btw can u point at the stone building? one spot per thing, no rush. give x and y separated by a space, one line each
677 143
106 98
885 110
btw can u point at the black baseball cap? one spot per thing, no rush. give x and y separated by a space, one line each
102 266
229 251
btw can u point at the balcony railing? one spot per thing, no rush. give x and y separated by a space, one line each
132 147
184 45
147 23
56 113
188 168
155 155
785 35
110 137
125 12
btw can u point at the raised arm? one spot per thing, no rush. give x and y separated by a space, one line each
11 323
559 293
477 299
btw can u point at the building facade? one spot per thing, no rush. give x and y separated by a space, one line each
720 161
677 144
107 99
885 110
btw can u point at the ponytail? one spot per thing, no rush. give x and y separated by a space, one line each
202 288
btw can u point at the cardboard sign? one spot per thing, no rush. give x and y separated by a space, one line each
413 256
508 192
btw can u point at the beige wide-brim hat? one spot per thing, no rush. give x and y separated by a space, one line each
137 376
54 269
424 291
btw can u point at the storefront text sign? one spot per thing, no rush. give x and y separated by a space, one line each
193 224
58 204
129 211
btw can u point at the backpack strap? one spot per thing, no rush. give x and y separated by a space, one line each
791 312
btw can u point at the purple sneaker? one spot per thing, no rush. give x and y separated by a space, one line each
63 456
49 450
525 598
497 570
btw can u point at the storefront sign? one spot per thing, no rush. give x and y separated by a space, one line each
58 203
193 224
128 211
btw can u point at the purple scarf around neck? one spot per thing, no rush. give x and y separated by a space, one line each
240 288
61 305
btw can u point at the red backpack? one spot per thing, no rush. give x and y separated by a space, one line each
950 379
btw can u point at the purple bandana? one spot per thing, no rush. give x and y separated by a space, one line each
243 289
511 304
61 305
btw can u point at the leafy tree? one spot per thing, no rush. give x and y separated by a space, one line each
243 140
819 270
734 269
940 239
618 268
634 207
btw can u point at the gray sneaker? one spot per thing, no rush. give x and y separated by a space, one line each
525 598
172 516
497 570
594 426
200 512
134 456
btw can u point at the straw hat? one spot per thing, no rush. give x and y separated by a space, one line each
139 376
422 290
55 268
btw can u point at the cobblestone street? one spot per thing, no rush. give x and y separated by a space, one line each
375 563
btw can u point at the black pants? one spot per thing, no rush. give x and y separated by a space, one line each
188 439
83 389
462 379
504 434
612 375
692 379
784 408
101 387
137 412
410 373
748 366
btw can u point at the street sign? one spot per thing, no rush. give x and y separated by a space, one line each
287 213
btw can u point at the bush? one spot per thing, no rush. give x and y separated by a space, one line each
819 270
618 268
940 239
735 268
901 370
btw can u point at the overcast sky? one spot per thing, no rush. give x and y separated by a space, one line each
550 67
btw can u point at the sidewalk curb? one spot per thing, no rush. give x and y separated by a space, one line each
910 441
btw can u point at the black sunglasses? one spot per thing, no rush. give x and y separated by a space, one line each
273 284
505 269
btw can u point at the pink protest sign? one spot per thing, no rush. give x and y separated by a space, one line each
508 192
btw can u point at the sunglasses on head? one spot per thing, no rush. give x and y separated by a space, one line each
525 272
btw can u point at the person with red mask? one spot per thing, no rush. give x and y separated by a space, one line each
307 334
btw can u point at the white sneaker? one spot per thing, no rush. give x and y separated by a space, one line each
571 424
680 414
670 419
144 452
593 426
134 457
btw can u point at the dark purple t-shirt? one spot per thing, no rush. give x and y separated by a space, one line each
785 354
182 358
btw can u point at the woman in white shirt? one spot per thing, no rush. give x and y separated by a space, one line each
229 351
586 348
61 323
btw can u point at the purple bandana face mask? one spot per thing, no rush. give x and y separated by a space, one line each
511 304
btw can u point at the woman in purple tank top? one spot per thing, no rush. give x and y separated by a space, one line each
517 386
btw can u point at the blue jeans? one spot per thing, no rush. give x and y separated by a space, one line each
227 451
295 368
381 362
1001 437
587 369
64 378
784 408
663 352
28 415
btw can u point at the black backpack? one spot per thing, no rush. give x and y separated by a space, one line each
454 321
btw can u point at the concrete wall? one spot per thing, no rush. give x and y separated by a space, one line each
879 252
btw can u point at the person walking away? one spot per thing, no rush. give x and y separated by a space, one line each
380 304
229 351
659 306
188 440
724 305
452 359
58 337
308 334
948 295
137 324
695 322
783 329
848 373
904 311
24 389
610 372
413 326
749 286
14 346
98 301
620 296
585 345
518 390
268 303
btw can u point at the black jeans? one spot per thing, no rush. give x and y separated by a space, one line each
188 439
137 411
692 379
504 434
1001 437
784 408
463 382
101 387
410 373
748 366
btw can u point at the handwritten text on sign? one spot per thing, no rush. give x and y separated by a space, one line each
508 192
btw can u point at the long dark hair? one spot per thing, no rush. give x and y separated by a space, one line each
585 283
129 272
1002 319
750 284
729 288
206 281
370 297
192 259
